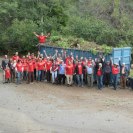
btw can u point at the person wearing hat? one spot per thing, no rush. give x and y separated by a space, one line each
90 72
123 74
115 72
99 74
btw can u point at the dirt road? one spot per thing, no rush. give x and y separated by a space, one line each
47 108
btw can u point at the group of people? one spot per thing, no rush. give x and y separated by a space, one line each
64 68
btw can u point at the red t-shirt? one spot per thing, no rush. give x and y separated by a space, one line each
115 70
69 69
54 67
68 59
89 63
25 66
99 72
30 67
48 65
42 39
19 67
83 63
15 57
23 60
7 73
40 65
80 69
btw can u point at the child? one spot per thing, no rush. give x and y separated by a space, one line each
7 75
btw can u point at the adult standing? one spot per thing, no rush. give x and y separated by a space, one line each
30 68
107 73
19 71
90 73
3 66
115 72
79 73
99 74
123 74
15 57
69 73
62 72
48 66
53 70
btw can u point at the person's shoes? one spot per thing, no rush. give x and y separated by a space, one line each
115 88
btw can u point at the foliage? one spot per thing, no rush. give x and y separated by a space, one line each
91 22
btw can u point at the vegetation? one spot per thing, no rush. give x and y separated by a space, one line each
131 73
100 24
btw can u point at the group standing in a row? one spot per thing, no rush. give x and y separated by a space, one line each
63 68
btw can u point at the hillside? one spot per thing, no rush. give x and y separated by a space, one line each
104 22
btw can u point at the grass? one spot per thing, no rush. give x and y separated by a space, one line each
131 73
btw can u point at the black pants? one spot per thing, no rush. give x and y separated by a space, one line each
85 76
12 75
35 77
48 75
30 77
43 75
62 77
25 75
107 78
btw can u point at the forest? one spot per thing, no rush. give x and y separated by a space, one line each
102 24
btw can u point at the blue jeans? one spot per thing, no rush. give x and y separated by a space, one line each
80 79
100 82
19 77
115 80
40 75
54 76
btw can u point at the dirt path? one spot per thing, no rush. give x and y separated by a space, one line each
47 108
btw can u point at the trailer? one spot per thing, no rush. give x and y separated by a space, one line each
123 53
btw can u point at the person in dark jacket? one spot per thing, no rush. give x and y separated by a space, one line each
107 73
3 66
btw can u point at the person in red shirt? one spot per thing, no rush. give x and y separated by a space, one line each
69 73
48 66
30 68
79 73
25 67
99 74
35 67
53 70
115 72
15 57
41 67
19 71
7 74
41 38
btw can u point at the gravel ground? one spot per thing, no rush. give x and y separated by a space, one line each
47 108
